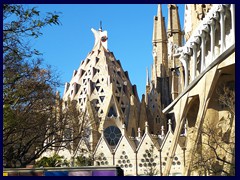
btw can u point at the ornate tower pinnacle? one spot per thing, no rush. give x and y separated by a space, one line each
100 28
100 37
159 45
174 28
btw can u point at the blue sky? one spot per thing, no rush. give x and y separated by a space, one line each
129 29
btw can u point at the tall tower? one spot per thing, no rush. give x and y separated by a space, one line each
160 70
159 42
174 28
157 92
103 89
174 40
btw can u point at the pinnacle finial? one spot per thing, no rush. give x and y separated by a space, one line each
100 28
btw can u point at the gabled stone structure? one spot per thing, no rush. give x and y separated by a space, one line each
102 88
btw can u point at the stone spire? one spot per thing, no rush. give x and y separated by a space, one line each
159 44
139 133
174 28
123 129
162 131
147 79
146 127
169 125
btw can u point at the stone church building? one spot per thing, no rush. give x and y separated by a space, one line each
158 133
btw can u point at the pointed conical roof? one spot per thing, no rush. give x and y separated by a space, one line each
159 32
102 84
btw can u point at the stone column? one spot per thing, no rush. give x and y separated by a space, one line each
203 35
184 59
232 8
212 29
222 25
194 66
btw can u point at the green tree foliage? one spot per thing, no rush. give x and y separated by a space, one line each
28 87
83 161
53 161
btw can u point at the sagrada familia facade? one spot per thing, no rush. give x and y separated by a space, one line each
158 132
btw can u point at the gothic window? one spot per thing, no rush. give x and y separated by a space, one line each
125 89
97 59
119 73
112 135
102 98
88 60
157 119
97 108
118 98
133 133
112 112
119 89
97 88
97 101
